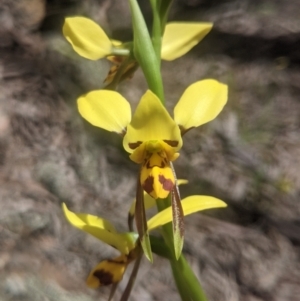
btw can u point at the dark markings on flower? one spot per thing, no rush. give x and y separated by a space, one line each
171 142
135 144
167 184
148 184
104 277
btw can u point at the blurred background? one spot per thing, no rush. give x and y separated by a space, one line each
249 156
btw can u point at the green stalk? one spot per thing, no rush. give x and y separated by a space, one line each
144 52
156 28
185 279
164 12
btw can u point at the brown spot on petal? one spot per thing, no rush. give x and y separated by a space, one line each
167 184
104 277
135 144
148 184
172 143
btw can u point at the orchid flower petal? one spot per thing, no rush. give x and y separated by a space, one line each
105 109
102 230
87 38
151 121
141 223
177 222
107 272
179 38
190 205
200 103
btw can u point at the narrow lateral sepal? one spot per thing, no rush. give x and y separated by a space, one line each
132 278
178 223
141 222
113 290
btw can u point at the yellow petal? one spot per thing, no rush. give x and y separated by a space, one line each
151 121
107 272
201 102
179 38
80 220
106 109
87 38
101 229
190 205
116 43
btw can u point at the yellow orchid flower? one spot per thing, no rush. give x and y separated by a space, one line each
89 40
112 270
153 138
107 271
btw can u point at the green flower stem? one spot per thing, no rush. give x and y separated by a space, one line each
159 247
164 12
187 283
144 51
156 28
185 279
120 52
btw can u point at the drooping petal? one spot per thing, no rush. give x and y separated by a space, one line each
190 205
150 201
106 109
107 272
102 230
151 121
181 37
87 38
126 292
201 102
141 222
178 224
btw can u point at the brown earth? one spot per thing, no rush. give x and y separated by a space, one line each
249 156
